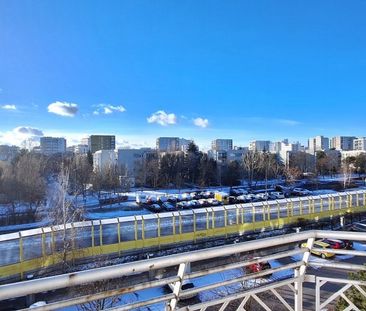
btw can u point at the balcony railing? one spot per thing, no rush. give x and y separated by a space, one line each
280 287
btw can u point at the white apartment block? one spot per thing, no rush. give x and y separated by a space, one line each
130 158
359 144
318 143
52 145
104 159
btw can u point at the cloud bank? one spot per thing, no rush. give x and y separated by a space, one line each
108 109
63 109
162 118
201 122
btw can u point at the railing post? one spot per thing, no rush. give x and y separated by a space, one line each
298 290
300 275
178 285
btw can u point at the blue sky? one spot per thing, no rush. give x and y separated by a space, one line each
238 69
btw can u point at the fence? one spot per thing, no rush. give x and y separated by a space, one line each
272 293
31 250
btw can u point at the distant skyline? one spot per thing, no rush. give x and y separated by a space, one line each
263 70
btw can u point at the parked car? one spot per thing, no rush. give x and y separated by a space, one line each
300 192
162 198
141 198
179 197
186 196
358 226
152 199
186 284
242 199
237 191
262 196
171 198
169 207
196 196
213 202
257 267
195 204
156 208
204 203
338 244
208 194
319 244
182 205
276 195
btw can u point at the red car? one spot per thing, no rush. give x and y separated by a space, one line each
338 244
257 267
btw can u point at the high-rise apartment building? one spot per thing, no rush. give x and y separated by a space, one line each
102 142
167 144
222 144
52 145
318 143
259 145
344 143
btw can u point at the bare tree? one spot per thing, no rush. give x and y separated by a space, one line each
251 163
64 211
98 287
31 184
348 168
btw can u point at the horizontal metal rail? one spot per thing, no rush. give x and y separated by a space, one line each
246 263
250 276
337 265
172 261
93 275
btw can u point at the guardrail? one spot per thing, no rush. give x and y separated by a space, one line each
32 250
239 290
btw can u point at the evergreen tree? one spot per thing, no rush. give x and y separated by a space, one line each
353 293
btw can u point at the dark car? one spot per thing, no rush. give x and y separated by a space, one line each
358 226
168 207
339 244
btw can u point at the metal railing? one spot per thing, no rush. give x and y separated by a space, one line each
275 289
32 250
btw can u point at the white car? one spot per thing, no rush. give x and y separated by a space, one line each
276 195
262 196
186 285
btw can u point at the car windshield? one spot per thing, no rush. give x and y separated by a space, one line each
187 286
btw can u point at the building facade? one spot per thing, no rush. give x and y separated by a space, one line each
129 159
318 143
104 159
52 145
8 153
167 144
259 145
359 144
222 144
344 143
102 142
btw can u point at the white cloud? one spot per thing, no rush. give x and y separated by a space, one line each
27 130
108 109
287 122
21 135
200 122
63 109
162 118
8 107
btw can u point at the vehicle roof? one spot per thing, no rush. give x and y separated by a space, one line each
320 243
